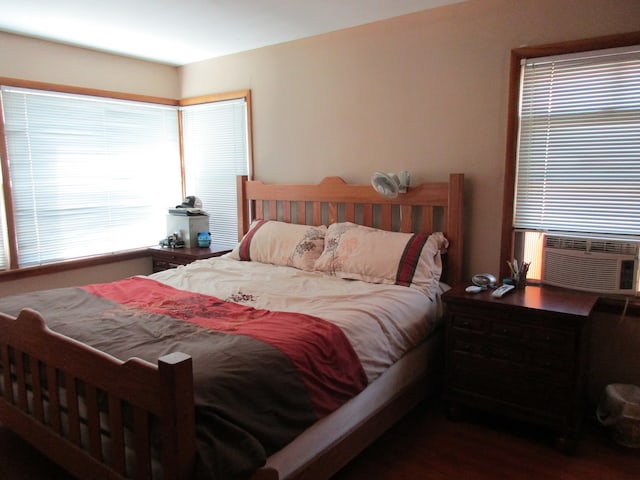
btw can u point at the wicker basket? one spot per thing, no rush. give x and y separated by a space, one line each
619 411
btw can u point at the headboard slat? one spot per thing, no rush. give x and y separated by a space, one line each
317 213
301 212
367 215
385 217
350 212
406 220
286 211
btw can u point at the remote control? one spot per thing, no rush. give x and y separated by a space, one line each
501 290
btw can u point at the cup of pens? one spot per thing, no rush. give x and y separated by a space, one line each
518 272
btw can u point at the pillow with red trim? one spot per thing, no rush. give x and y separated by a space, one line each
363 253
281 243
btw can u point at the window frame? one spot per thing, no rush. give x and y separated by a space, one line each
507 239
14 272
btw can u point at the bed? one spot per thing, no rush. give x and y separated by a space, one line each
97 412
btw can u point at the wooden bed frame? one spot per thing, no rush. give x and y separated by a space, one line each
53 389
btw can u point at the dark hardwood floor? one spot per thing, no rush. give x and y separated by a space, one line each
425 445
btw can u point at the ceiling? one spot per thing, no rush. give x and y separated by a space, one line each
180 32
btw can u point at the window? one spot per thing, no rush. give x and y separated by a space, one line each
89 175
215 143
576 157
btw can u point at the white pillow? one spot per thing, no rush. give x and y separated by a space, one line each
377 256
281 243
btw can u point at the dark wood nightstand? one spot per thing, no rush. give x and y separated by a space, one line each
164 258
524 355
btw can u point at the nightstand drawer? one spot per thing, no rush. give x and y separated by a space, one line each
487 357
507 330
469 323
560 367
553 338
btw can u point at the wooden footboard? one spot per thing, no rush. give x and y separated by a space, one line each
91 413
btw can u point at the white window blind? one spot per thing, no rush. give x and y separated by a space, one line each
215 144
4 261
89 175
578 164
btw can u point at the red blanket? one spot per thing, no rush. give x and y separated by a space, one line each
320 352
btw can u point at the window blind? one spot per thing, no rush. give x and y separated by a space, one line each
4 261
89 175
578 166
215 143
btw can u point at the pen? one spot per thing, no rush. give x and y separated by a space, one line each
511 267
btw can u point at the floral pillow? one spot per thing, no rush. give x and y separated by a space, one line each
362 253
281 243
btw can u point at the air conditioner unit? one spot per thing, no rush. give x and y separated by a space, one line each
593 265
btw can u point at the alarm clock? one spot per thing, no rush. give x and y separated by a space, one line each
484 280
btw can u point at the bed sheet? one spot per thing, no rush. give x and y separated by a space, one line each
382 322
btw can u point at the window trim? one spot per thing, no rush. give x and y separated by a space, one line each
507 238
13 272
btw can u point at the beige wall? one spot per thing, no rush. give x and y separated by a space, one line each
425 92
37 60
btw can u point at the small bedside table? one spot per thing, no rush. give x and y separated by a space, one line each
524 355
164 258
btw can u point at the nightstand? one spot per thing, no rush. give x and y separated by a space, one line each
524 355
164 258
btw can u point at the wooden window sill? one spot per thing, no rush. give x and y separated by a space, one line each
19 273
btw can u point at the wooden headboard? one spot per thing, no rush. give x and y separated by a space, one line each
424 208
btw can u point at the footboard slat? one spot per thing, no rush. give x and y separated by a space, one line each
73 415
54 400
36 387
6 373
21 381
93 421
141 430
116 435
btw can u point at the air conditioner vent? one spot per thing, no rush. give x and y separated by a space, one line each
621 248
594 265
566 243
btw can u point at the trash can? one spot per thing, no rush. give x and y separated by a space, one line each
619 411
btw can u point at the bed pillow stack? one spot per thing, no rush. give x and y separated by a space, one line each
349 251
